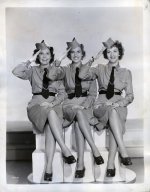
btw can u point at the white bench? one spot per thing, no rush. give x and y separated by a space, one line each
65 173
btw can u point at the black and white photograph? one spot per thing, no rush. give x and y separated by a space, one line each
75 106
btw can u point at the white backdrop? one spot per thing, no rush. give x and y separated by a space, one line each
90 26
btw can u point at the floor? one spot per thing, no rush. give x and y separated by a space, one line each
17 171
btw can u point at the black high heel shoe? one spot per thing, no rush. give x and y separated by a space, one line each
99 160
70 159
110 172
125 160
80 173
48 176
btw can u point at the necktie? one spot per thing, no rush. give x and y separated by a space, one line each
45 91
110 88
78 87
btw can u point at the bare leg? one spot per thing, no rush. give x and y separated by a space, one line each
80 142
56 129
112 151
50 145
116 127
84 127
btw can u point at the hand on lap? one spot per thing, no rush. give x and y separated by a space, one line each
46 104
77 107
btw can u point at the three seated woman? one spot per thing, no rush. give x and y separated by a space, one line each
63 95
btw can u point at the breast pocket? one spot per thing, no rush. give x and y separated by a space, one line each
85 85
120 83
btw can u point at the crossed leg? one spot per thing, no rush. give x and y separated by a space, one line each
56 129
115 138
85 129
50 145
80 143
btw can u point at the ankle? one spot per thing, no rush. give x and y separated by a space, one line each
66 153
49 170
110 166
123 155
96 153
79 166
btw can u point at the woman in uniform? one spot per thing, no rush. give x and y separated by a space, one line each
111 107
44 110
77 107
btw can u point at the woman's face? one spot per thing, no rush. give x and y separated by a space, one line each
76 54
44 56
113 54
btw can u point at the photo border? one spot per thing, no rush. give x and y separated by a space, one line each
146 104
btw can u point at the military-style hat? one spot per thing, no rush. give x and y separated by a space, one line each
41 45
73 44
109 43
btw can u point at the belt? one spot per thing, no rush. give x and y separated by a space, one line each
50 93
72 95
104 92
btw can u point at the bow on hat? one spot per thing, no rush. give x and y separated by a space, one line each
73 44
41 45
109 43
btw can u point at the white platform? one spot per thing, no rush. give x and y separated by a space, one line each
130 178
40 142
64 173
69 170
122 175
38 167
134 139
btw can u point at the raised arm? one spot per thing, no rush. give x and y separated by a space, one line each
23 70
129 96
56 73
87 72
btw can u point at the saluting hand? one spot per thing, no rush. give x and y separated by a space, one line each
33 58
99 53
91 61
64 55
57 62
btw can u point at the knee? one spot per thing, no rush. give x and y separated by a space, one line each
112 111
79 112
46 127
51 113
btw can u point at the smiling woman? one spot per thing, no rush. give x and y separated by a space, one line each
111 107
45 54
77 108
44 109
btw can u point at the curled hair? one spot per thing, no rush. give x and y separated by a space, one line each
51 49
120 49
82 49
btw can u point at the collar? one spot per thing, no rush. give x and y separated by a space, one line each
116 67
41 69
73 66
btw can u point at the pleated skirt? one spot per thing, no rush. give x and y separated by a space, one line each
69 112
102 112
38 115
